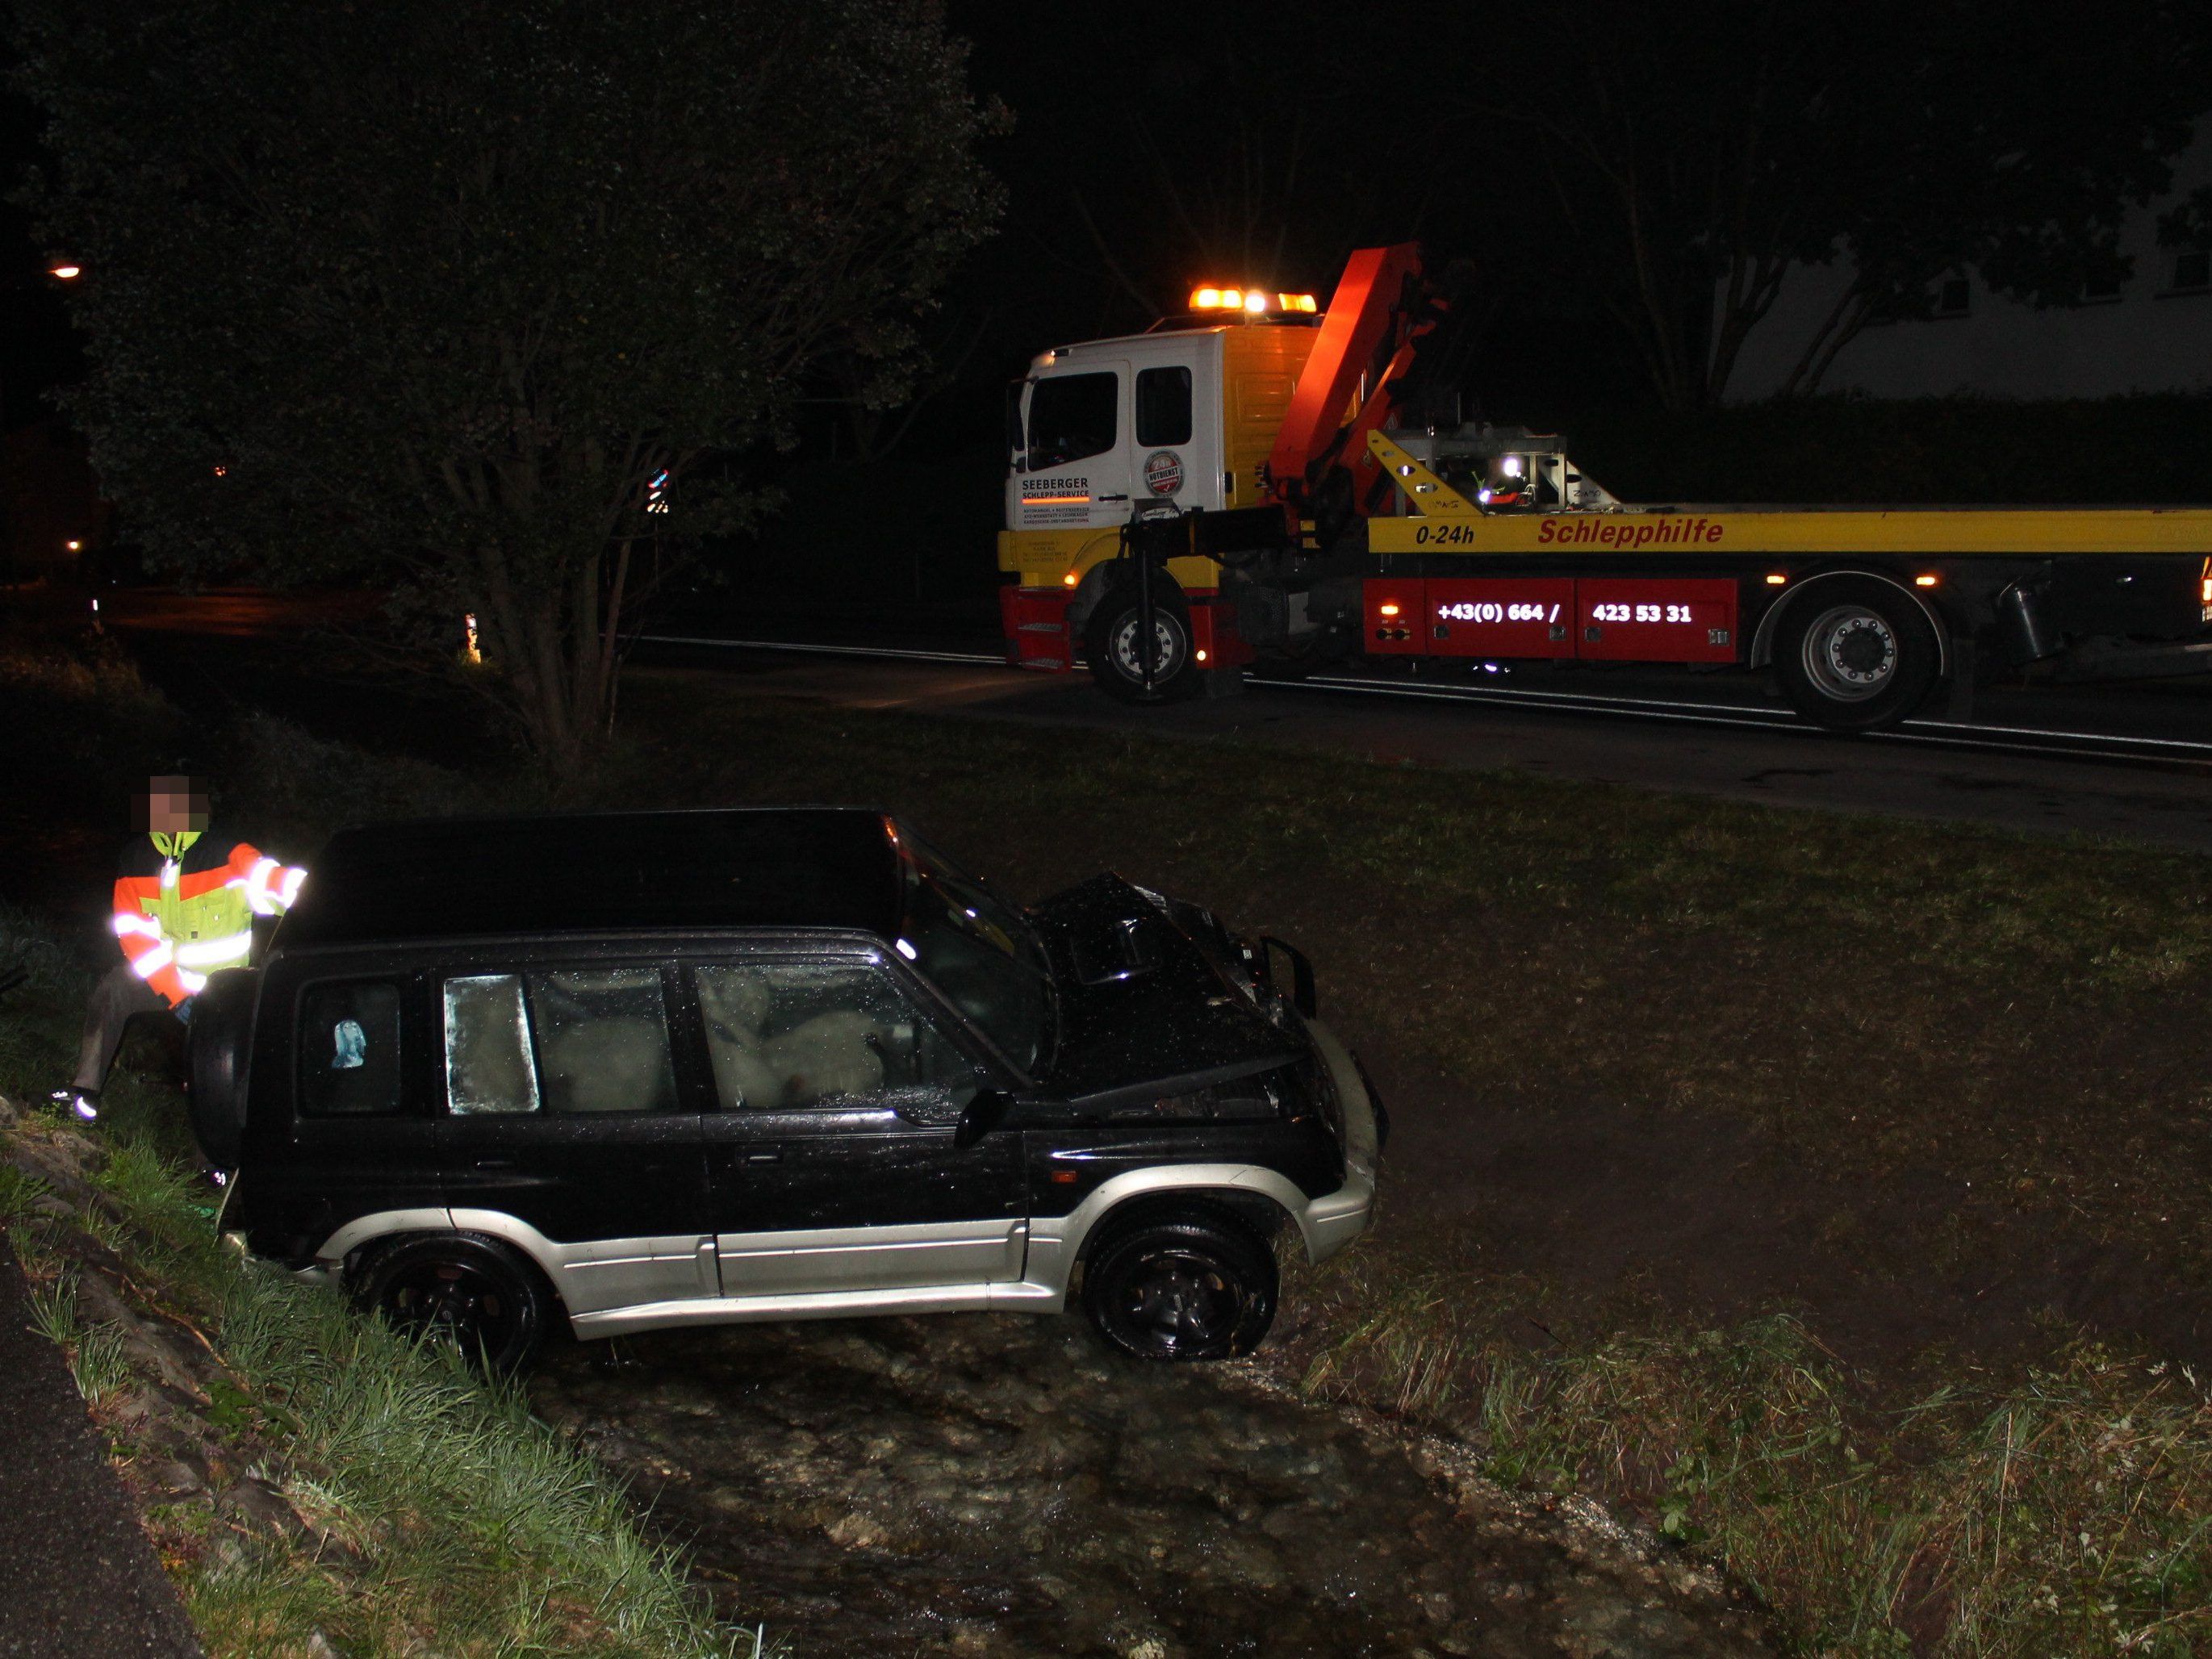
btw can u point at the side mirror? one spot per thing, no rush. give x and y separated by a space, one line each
1301 973
982 1115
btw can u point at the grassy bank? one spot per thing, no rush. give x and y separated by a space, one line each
1909 1066
1861 1007
314 1484
314 1475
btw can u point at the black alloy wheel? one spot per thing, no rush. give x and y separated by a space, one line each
1856 654
1110 643
1184 1287
462 1290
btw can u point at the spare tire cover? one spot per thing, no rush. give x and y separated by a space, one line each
222 1031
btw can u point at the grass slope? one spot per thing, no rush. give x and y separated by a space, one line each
1941 1050
315 1484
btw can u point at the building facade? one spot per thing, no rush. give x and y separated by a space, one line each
2153 332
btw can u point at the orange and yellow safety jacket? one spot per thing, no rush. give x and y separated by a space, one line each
184 906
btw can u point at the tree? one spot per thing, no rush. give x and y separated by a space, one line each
489 299
1155 152
2018 163
1693 156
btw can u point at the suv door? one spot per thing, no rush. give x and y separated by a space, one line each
832 1165
565 1110
339 1128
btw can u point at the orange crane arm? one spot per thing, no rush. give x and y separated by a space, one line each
1363 315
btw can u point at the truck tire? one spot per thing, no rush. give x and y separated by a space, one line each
1109 642
1855 654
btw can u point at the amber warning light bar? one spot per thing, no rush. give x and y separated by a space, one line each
1251 301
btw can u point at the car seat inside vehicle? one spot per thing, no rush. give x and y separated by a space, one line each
789 1035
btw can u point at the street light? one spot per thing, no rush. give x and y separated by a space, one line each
67 273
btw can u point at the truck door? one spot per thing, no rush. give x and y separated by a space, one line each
1075 471
1177 434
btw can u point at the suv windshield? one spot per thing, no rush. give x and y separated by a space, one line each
979 953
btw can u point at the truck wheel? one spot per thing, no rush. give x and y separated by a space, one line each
472 1292
1109 642
1182 1286
1856 655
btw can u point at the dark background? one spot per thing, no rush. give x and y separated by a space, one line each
1150 148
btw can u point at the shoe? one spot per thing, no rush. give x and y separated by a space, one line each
84 1103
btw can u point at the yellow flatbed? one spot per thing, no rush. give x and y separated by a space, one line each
1443 520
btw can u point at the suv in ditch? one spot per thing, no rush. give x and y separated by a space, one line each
655 1069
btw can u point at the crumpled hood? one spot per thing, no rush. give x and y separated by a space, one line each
1176 1022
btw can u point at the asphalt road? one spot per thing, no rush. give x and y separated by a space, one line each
78 1579
2123 766
2132 762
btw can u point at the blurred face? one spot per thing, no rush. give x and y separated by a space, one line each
171 805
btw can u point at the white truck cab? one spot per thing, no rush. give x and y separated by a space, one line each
1182 418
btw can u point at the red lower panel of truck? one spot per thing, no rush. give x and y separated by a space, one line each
1035 621
1213 632
1623 619
1596 619
1501 617
1397 618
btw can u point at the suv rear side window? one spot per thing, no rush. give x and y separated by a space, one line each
1073 417
784 1035
565 1041
349 1050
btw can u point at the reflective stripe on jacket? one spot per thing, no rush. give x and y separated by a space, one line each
185 906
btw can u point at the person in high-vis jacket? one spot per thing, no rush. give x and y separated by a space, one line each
184 904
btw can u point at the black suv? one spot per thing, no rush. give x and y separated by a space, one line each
683 1068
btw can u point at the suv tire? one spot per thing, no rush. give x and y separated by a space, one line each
1182 1285
462 1290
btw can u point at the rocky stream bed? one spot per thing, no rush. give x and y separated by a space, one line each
1001 1484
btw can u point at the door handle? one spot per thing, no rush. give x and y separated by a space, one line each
1109 498
764 1155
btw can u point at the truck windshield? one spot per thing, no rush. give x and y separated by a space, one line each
979 953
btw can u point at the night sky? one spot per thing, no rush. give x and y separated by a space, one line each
1151 150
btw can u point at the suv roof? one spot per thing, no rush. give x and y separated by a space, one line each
811 866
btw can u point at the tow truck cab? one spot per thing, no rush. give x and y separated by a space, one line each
1180 419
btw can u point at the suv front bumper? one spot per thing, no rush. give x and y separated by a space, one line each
1335 1219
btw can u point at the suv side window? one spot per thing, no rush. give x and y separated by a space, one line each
488 1066
565 1041
787 1036
349 1049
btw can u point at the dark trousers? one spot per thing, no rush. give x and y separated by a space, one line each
118 1000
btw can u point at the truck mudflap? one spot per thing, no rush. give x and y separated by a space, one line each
1034 622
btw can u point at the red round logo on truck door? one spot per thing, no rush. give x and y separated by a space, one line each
1163 472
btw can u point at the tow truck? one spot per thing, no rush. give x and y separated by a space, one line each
1261 483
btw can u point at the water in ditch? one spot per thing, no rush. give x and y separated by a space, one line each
1002 1486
